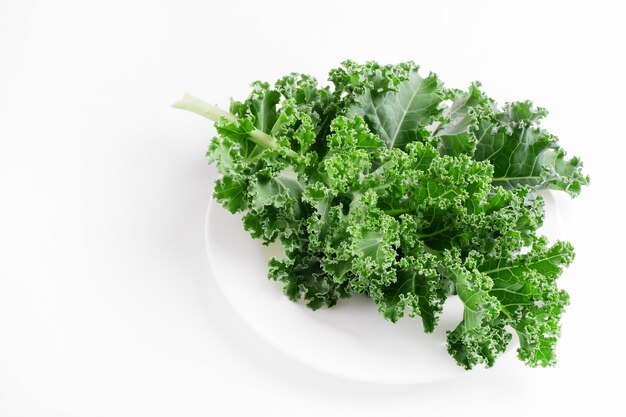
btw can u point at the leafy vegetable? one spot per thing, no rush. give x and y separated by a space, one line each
394 186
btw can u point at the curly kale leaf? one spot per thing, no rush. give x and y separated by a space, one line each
391 185
526 290
455 134
481 336
522 153
401 116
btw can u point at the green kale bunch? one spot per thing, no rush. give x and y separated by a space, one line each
391 185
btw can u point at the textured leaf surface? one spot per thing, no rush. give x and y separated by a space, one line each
401 117
522 153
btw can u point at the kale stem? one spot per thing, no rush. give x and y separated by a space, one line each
395 212
435 233
212 112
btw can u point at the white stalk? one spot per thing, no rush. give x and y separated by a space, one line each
212 112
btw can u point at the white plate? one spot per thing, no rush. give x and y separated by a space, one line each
350 340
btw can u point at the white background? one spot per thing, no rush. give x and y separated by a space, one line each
107 306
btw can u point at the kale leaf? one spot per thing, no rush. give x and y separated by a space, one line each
392 185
